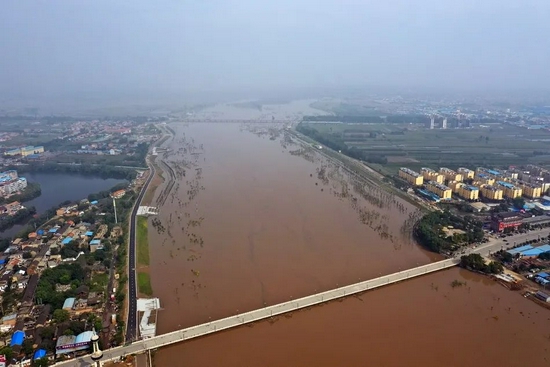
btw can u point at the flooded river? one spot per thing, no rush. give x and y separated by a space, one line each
250 218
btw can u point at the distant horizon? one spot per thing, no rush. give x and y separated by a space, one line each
73 53
80 102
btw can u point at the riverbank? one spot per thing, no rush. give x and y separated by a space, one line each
359 169
32 191
22 215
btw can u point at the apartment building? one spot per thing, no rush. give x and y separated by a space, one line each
466 173
484 179
450 175
492 192
468 192
531 191
431 175
412 177
511 191
444 192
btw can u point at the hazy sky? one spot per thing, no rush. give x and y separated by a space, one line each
71 47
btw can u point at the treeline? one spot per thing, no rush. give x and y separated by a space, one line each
102 171
429 231
336 143
392 119
32 191
339 118
477 263
7 221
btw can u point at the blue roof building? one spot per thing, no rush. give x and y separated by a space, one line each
53 230
40 353
94 202
95 242
69 303
519 249
17 338
66 241
505 184
89 233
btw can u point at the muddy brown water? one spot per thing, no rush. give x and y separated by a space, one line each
251 224
420 322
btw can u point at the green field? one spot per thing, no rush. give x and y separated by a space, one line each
495 145
144 284
142 241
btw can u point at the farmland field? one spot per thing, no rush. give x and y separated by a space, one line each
495 145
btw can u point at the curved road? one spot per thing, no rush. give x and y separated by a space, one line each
131 324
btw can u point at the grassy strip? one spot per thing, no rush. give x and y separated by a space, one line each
144 284
142 241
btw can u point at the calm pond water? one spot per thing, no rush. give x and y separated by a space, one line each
59 187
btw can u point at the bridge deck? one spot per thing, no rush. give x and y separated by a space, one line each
266 312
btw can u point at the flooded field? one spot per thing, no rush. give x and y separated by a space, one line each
421 322
251 218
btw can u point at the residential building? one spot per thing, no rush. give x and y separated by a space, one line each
491 172
530 190
118 194
510 190
444 192
484 179
411 176
450 175
492 192
469 192
10 183
466 173
25 151
431 175
454 186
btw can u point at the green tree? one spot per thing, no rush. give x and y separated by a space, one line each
27 347
41 362
473 261
518 203
494 268
60 315
8 352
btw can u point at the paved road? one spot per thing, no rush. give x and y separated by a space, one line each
132 322
496 244
263 313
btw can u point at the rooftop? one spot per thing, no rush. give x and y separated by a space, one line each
409 171
506 184
438 185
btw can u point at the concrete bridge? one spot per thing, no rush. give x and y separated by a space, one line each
262 313
240 121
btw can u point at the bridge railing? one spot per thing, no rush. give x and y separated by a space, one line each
270 311
289 306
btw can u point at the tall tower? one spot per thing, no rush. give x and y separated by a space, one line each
432 123
444 125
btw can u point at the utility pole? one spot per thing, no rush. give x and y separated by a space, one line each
114 207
